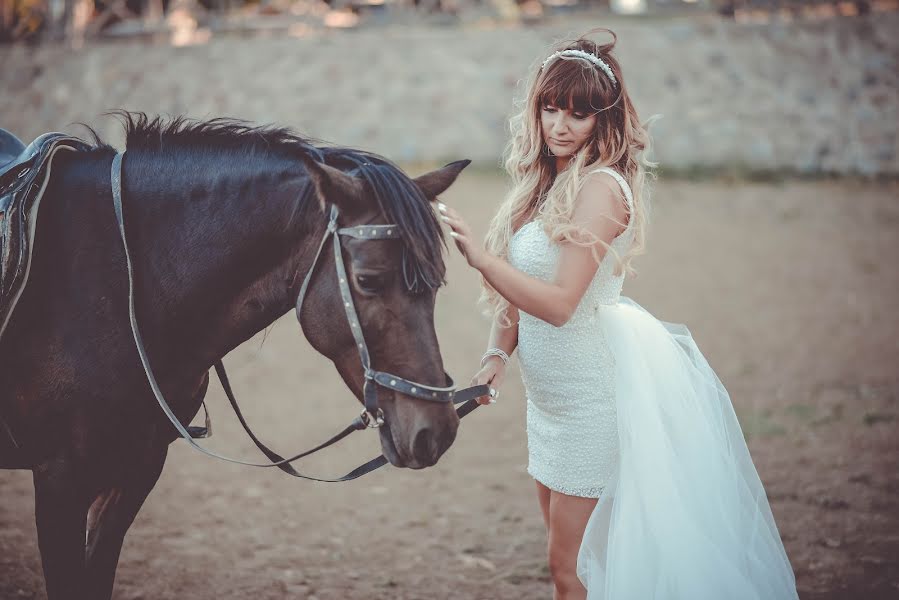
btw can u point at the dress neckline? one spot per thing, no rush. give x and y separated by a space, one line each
520 229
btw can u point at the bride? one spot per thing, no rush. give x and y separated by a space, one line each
643 477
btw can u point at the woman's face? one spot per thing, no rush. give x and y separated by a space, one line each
565 131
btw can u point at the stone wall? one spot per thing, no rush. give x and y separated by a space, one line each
812 97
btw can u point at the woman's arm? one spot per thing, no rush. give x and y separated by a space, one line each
505 338
599 210
493 369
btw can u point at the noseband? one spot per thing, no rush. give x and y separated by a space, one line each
372 415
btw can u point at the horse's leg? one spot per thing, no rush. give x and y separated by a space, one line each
109 518
60 507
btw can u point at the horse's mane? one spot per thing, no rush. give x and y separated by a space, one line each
400 200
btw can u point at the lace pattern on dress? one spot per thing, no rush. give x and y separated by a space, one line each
568 372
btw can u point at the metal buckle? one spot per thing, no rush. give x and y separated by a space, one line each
372 424
199 433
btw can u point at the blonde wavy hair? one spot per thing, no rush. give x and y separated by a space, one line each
537 192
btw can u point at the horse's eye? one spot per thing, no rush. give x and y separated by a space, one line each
370 283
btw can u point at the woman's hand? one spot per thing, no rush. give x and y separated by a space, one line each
473 252
493 373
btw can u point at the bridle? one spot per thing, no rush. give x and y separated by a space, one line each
371 417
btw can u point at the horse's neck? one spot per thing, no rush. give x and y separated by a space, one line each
222 244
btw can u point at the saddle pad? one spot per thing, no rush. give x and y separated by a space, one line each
21 189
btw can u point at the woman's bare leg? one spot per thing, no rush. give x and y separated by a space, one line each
543 498
568 516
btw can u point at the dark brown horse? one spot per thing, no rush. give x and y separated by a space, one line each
223 223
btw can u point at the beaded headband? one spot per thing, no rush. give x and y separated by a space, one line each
584 55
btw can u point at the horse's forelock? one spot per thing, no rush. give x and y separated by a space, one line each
403 204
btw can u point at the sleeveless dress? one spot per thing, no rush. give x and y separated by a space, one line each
567 371
624 408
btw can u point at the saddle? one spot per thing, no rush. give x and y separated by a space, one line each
24 173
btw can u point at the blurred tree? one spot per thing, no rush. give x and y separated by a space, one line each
22 19
34 20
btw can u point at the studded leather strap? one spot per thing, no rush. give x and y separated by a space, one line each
468 396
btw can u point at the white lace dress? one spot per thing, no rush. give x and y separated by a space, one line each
624 408
567 371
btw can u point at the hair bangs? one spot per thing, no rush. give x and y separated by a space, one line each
573 84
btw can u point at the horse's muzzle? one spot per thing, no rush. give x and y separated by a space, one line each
418 446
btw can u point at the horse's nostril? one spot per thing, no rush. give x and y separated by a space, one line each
425 446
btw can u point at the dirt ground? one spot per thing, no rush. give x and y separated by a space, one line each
791 290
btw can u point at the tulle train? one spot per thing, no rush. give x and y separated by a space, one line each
686 516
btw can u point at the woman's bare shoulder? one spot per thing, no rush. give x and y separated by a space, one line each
600 202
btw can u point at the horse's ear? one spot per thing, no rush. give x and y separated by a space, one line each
333 186
436 182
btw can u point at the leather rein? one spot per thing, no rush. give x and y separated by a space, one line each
371 417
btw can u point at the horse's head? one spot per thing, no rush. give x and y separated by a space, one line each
393 286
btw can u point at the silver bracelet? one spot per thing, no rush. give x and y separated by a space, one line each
495 352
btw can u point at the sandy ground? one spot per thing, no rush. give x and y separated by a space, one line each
791 290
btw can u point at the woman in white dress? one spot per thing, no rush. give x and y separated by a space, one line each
643 477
